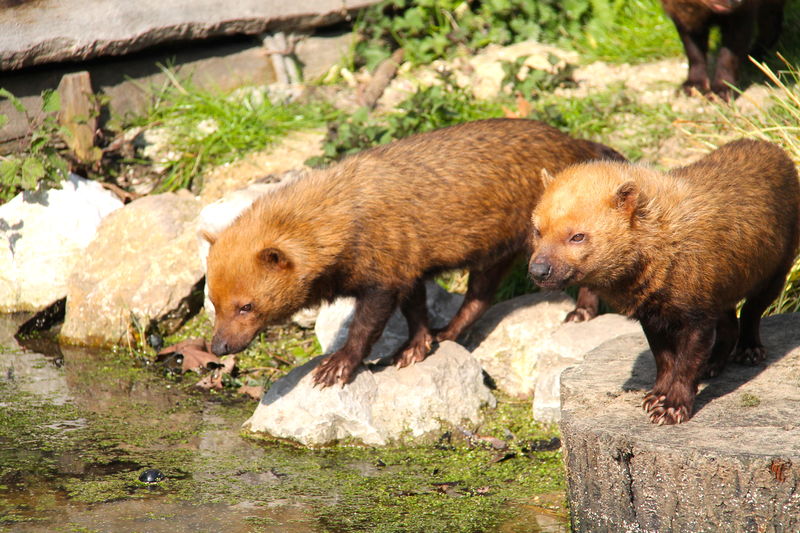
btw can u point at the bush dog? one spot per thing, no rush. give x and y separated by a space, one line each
677 251
375 225
736 20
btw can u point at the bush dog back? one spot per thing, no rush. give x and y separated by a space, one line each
377 224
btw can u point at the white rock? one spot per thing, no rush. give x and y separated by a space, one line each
566 347
380 404
334 320
506 339
42 236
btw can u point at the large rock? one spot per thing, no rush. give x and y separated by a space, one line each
566 347
142 267
380 404
507 340
734 466
42 237
334 321
33 33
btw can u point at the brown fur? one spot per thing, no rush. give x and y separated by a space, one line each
678 251
737 20
379 223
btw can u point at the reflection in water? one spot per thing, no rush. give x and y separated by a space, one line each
77 426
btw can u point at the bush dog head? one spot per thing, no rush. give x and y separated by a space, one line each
250 286
584 236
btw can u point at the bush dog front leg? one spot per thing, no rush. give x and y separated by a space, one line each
373 309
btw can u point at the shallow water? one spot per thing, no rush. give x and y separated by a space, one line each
77 427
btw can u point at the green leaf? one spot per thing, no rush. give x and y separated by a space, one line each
51 101
5 93
3 120
32 172
9 170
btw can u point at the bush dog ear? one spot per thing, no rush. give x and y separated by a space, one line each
274 258
626 198
208 236
547 178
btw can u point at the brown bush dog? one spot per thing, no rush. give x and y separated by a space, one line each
677 251
737 20
377 224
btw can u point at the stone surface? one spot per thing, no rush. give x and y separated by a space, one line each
566 347
735 466
381 404
143 266
287 155
42 237
45 31
334 320
506 340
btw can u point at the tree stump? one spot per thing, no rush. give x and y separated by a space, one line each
735 466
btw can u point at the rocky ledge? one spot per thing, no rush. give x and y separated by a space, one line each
733 467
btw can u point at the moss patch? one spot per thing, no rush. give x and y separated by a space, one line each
123 419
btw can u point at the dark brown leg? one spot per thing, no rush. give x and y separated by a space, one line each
737 31
749 350
727 332
420 337
695 44
373 310
681 357
585 308
480 293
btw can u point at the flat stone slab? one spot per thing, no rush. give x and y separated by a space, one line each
33 32
735 466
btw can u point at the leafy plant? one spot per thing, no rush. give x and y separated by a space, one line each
530 82
427 109
39 163
431 29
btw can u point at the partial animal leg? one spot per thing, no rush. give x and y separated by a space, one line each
420 337
727 332
749 350
695 44
586 306
480 293
737 31
672 398
373 310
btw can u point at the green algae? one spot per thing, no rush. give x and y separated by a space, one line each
123 416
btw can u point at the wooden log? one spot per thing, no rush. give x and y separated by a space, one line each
78 115
383 75
735 466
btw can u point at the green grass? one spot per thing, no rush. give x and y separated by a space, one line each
209 128
628 31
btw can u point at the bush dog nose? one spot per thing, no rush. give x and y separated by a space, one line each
219 346
540 270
